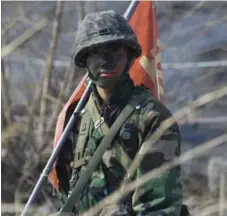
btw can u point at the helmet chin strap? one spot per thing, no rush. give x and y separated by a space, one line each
117 81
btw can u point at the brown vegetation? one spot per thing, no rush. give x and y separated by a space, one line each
37 77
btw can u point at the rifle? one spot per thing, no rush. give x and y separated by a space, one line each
49 166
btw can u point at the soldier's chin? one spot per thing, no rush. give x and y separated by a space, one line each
107 83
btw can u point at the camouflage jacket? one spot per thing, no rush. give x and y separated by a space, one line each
159 196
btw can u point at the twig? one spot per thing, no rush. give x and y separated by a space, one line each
189 155
80 16
33 107
36 27
211 209
188 15
5 93
48 68
186 111
12 130
68 80
53 99
204 99
10 25
207 25
5 86
222 193
60 98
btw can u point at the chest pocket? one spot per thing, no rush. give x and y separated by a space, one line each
116 151
129 140
124 147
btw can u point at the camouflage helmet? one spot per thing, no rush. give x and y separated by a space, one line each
102 28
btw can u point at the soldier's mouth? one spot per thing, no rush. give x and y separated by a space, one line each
107 74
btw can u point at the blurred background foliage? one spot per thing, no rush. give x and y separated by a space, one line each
37 78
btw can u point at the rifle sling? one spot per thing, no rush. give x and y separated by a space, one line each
121 155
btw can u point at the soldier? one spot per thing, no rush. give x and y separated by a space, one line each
107 47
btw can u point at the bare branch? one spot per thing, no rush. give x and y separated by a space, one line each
183 22
189 155
180 114
187 16
196 152
212 209
48 68
36 27
60 98
5 87
68 80
10 25
5 92
12 130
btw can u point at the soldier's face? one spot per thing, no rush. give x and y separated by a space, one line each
107 62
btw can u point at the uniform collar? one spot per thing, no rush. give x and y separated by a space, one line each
118 98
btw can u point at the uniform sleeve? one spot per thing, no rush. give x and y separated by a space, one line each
63 168
161 196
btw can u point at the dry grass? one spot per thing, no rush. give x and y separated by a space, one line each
25 149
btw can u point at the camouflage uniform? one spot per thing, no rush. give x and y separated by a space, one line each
160 196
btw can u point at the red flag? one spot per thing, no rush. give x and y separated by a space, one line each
145 70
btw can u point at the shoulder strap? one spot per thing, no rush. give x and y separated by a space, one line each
83 134
91 114
95 160
100 124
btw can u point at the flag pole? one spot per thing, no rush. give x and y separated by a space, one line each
49 166
130 10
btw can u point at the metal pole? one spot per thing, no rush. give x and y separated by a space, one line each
128 13
57 150
130 10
